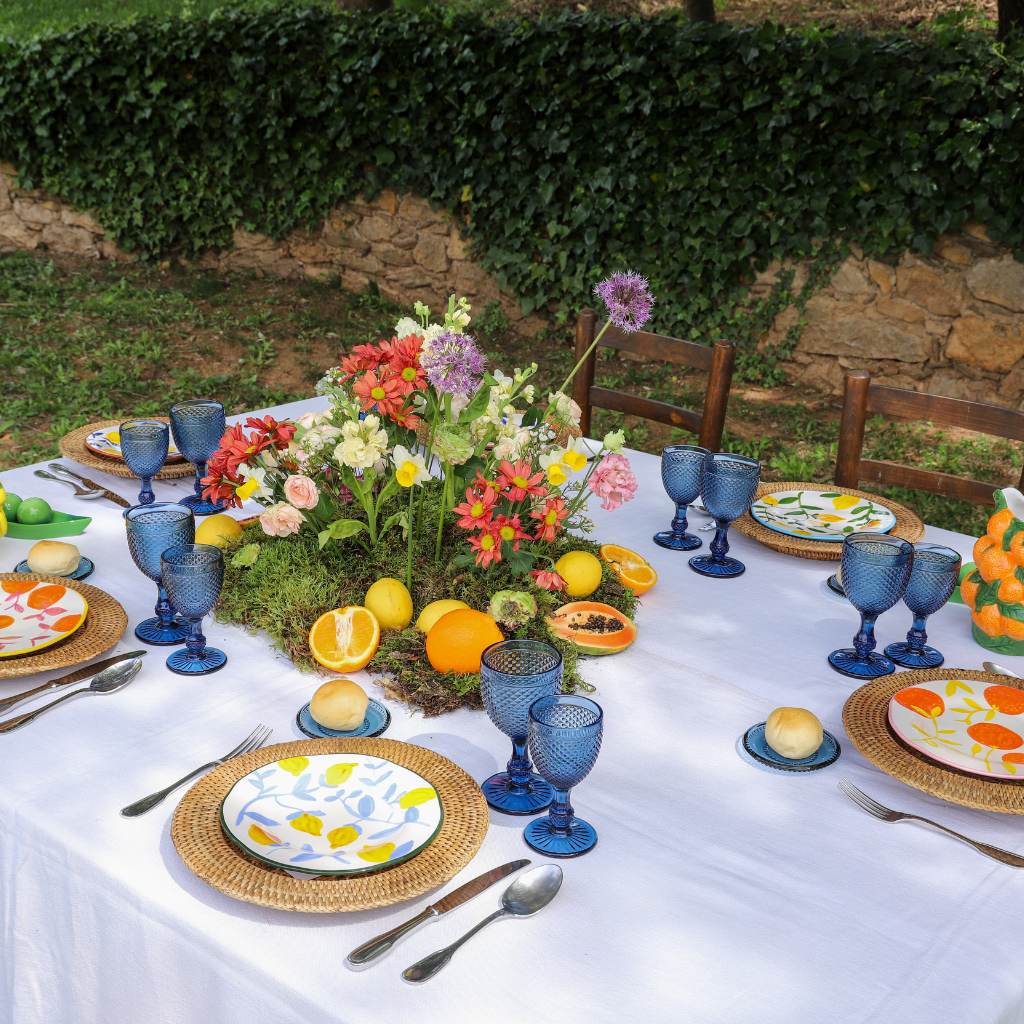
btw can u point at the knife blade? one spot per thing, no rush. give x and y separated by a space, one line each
72 677
380 944
108 494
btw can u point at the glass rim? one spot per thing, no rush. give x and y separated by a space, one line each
686 448
522 642
156 506
193 403
943 551
177 550
747 463
573 699
142 421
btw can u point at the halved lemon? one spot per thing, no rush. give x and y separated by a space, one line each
632 570
345 639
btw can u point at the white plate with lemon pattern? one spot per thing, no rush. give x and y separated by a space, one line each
108 444
821 515
332 814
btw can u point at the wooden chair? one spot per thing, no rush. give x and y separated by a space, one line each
717 361
861 397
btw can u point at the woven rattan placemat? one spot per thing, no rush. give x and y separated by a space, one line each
207 852
908 526
104 624
866 720
72 446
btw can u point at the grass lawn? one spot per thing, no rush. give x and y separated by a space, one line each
82 340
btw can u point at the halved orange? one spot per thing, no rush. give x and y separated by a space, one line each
345 639
632 570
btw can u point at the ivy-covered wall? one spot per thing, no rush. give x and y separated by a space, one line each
563 147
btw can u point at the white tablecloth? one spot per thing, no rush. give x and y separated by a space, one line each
718 892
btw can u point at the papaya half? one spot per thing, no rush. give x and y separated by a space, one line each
593 627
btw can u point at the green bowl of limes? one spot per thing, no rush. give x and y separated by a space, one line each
34 519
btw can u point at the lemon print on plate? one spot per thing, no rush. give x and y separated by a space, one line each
823 515
332 814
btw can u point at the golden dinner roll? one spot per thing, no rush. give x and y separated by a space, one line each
339 705
793 732
53 558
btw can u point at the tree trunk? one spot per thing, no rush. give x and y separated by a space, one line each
1011 17
704 10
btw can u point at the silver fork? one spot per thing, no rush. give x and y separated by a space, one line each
877 810
253 741
80 491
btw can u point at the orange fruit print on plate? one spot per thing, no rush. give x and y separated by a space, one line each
976 727
35 614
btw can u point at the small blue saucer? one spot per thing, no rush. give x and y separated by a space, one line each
85 568
377 719
757 747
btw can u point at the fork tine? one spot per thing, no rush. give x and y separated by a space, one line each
238 749
870 801
859 798
257 741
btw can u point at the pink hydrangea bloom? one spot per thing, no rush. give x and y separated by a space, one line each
613 481
301 492
281 520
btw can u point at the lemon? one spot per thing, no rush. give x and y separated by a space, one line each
581 571
434 611
220 530
390 602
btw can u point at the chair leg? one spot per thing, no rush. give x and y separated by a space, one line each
851 428
716 398
584 379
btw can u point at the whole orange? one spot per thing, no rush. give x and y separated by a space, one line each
459 638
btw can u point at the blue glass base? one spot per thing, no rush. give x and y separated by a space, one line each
707 565
501 794
184 664
835 586
849 663
85 568
677 541
757 747
377 719
580 838
922 657
151 631
200 506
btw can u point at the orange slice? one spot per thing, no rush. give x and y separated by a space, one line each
632 570
345 639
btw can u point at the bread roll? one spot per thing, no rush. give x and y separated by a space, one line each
53 558
794 733
339 705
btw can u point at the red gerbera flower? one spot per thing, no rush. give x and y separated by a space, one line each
218 487
547 579
403 359
487 546
360 359
275 432
517 480
549 516
236 448
476 510
510 530
380 391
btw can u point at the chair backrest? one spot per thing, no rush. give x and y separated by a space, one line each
716 360
862 397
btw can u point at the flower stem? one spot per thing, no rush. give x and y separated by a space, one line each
446 469
583 358
408 554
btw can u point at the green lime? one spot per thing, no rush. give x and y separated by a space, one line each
11 503
34 511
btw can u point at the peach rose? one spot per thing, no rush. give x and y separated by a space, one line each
301 491
281 520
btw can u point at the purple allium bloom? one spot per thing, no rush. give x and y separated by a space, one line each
453 363
628 299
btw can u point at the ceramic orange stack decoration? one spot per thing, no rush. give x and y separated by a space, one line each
994 590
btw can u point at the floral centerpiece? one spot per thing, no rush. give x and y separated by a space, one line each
464 474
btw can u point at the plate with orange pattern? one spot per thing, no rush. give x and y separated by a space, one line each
35 614
976 727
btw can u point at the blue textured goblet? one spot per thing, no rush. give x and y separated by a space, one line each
144 445
193 575
730 482
513 674
933 577
152 529
198 426
875 573
565 738
682 472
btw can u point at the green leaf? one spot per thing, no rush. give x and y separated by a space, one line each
341 529
246 556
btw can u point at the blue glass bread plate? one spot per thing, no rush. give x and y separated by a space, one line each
377 719
755 744
85 568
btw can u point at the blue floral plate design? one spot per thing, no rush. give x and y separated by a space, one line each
376 722
821 515
757 747
85 568
332 814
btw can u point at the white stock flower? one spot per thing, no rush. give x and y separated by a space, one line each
363 443
407 326
565 410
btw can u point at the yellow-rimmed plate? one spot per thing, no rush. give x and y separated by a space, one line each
108 444
36 614
825 515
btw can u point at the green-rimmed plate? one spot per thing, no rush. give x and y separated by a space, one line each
332 814
61 524
821 515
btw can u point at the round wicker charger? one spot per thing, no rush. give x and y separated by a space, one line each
867 725
908 526
104 624
209 854
72 446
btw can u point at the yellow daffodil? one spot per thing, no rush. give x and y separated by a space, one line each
556 474
410 469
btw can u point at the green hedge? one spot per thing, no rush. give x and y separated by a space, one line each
571 146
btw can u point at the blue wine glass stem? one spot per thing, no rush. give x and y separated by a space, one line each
679 523
200 473
164 609
917 637
720 544
146 495
196 642
560 814
519 767
864 642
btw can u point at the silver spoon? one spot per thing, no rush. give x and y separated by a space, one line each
991 666
532 891
80 492
107 681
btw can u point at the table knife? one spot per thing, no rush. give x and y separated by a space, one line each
72 677
382 943
56 467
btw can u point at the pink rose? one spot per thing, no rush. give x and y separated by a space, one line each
281 520
613 481
301 491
